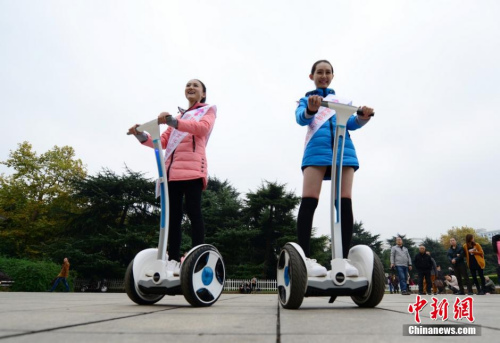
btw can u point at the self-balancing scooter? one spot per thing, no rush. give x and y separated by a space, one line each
366 289
202 273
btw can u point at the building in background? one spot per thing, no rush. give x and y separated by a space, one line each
487 234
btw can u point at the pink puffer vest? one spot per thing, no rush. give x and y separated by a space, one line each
188 161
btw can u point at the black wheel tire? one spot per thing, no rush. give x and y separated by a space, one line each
203 274
377 287
293 271
134 294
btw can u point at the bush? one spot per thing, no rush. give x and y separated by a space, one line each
32 276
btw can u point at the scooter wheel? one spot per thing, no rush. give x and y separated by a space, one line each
202 276
376 291
133 291
292 278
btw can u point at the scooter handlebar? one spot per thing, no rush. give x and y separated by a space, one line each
149 126
358 112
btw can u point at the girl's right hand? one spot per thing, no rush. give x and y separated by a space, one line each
133 130
314 103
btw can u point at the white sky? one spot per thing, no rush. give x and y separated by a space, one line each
79 73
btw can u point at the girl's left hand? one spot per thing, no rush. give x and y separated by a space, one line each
162 118
366 112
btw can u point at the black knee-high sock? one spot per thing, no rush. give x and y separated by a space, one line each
304 223
347 223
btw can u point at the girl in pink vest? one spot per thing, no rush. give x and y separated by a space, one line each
186 164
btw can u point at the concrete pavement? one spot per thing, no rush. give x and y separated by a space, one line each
112 317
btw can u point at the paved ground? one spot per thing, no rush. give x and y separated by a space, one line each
112 317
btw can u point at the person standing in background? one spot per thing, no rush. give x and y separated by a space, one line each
474 256
400 258
456 256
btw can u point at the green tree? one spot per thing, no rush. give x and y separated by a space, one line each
362 236
269 211
221 207
117 217
459 234
34 195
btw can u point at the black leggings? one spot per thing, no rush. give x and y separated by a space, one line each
191 189
474 270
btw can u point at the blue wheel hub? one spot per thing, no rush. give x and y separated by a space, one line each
207 276
287 276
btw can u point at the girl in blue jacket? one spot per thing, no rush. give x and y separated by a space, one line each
317 160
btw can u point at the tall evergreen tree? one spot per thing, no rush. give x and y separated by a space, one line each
362 236
269 211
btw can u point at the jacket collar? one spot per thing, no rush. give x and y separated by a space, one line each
321 92
195 106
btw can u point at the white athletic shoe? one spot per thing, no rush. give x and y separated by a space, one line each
174 267
314 268
350 270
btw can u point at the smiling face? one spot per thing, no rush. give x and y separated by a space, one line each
194 91
322 75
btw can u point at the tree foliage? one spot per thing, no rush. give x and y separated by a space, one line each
362 236
33 197
50 209
459 234
117 217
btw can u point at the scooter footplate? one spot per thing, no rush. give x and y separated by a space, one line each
168 287
328 288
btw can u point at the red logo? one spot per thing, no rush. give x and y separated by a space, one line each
439 309
463 309
417 307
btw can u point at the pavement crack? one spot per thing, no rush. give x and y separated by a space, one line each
86 323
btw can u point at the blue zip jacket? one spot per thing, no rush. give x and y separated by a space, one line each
319 150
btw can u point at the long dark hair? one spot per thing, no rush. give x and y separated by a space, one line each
204 91
313 69
468 240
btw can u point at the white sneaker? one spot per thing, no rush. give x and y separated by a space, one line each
314 268
350 270
174 267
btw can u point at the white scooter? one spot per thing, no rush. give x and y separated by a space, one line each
367 289
202 273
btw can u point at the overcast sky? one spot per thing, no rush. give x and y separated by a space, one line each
79 73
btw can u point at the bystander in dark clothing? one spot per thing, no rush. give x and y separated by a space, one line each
456 256
395 283
439 281
423 263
